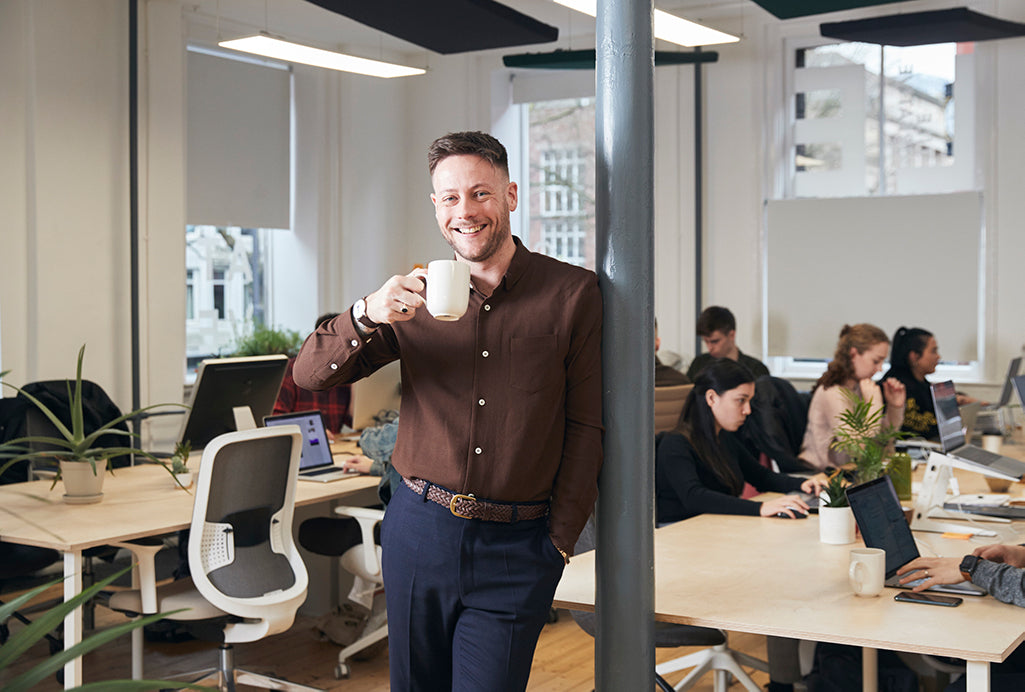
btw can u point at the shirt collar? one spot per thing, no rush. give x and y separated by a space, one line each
518 265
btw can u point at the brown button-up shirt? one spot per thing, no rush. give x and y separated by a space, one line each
504 403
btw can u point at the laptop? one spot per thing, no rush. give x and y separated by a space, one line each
316 463
378 392
882 524
991 415
952 436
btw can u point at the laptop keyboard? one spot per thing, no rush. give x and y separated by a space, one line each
978 455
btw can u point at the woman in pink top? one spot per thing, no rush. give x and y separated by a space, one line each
859 355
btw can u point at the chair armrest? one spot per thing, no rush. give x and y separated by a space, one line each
367 518
144 575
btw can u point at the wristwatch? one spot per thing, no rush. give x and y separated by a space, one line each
968 565
359 312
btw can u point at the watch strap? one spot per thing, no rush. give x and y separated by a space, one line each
360 311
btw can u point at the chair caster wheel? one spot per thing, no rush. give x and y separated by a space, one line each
342 671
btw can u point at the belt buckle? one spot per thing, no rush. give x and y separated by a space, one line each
452 504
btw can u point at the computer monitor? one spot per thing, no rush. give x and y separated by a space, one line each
222 384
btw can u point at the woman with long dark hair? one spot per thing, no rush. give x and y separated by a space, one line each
915 355
700 466
860 354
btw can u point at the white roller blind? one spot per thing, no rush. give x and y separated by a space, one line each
238 143
890 261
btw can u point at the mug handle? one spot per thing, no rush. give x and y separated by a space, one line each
855 575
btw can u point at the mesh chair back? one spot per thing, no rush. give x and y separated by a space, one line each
241 553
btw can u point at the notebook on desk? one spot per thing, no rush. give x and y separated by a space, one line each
316 463
952 436
881 521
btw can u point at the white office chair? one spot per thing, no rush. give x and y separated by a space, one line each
248 579
718 657
363 561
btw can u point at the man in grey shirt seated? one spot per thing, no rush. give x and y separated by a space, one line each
718 330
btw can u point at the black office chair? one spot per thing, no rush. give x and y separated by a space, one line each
779 415
17 565
717 657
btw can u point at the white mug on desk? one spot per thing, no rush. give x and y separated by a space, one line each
448 289
867 571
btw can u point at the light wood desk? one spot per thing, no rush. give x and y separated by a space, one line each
137 502
774 577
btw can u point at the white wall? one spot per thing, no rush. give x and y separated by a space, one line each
64 185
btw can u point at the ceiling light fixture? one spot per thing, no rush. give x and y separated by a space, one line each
268 46
668 27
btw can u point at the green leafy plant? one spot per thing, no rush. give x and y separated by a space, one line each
21 640
836 490
74 444
180 457
863 437
266 341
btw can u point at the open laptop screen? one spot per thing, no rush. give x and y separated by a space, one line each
881 521
948 417
316 448
1012 372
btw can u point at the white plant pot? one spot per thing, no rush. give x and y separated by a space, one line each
184 478
81 485
836 525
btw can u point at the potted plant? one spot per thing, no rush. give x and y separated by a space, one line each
180 464
863 437
265 341
82 459
836 520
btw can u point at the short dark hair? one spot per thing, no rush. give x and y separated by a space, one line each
716 319
324 318
468 143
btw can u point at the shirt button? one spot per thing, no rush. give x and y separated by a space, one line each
484 353
478 450
487 308
354 343
480 401
334 366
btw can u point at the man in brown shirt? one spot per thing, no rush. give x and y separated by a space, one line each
500 436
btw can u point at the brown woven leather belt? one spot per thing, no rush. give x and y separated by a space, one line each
469 507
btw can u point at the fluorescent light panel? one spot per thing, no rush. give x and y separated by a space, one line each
668 27
265 45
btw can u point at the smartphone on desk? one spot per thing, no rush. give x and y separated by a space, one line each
928 598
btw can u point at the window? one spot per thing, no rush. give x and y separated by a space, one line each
226 281
560 189
880 120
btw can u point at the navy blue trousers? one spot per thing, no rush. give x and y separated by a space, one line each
466 598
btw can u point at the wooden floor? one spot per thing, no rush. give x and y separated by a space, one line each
564 661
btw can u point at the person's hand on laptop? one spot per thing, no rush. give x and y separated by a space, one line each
932 571
356 462
814 485
1013 555
791 505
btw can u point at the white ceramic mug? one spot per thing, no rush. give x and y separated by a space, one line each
448 289
867 571
992 443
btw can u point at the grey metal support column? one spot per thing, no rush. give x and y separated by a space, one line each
625 641
699 233
133 202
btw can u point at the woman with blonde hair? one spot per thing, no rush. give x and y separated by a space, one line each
860 354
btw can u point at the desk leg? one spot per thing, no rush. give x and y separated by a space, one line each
977 676
869 669
73 622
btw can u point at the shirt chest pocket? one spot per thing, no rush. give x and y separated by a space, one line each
535 363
